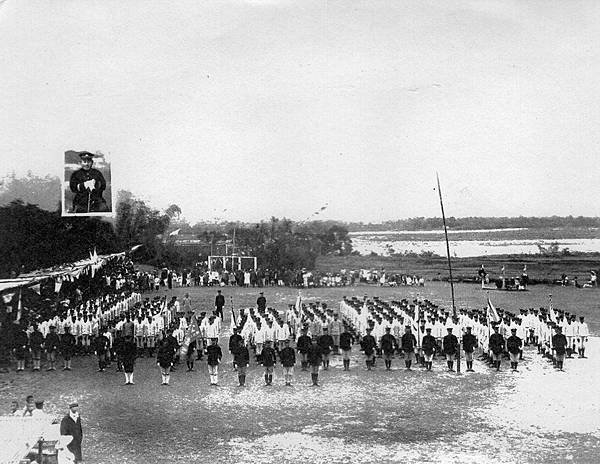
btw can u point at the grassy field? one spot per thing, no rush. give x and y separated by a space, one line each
539 268
536 415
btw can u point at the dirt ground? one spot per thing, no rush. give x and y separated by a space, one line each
535 415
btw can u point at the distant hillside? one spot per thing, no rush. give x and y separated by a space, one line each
476 223
41 191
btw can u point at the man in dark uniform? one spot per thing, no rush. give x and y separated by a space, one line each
429 345
288 359
326 343
559 346
67 348
469 343
346 340
409 343
388 345
261 302
101 349
241 359
513 346
269 357
302 345
36 342
88 185
450 346
214 355
368 345
71 425
496 347
51 344
315 358
219 303
235 341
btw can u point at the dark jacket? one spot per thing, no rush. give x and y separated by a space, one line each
326 343
368 344
67 343
219 301
514 344
214 354
497 343
241 356
346 340
450 344
429 344
469 342
101 344
235 341
409 342
52 341
165 354
287 357
80 200
36 340
388 343
268 356
315 355
559 343
73 428
303 343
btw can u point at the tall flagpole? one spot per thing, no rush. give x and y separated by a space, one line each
449 265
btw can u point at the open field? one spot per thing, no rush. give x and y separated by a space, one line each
536 415
540 268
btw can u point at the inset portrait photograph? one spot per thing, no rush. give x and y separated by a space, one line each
87 185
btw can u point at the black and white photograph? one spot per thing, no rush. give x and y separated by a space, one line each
299 231
87 190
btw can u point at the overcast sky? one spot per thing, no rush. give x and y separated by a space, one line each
247 110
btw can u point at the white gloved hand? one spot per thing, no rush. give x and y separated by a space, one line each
90 184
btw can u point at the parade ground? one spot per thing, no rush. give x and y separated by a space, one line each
532 416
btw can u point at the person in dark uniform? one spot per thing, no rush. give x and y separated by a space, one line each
67 347
368 345
235 341
214 355
88 185
268 358
302 345
36 342
219 303
513 346
326 343
388 345
346 341
469 342
559 347
128 355
496 345
288 359
241 359
51 345
164 358
450 347
71 425
190 355
429 345
20 346
101 350
315 358
408 343
261 302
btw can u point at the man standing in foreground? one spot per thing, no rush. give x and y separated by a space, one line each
450 345
513 346
288 359
315 358
219 303
71 425
469 342
497 347
214 358
559 347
